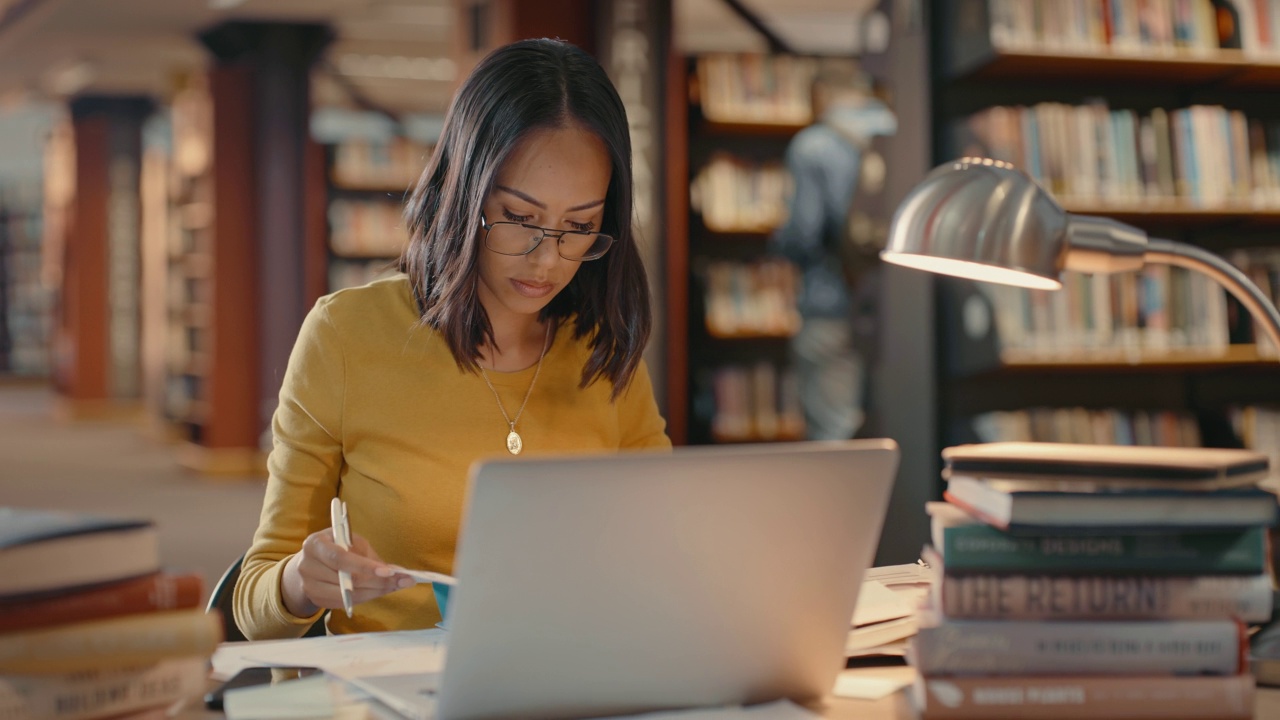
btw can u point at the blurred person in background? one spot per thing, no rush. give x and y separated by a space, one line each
831 163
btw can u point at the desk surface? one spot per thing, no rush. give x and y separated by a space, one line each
895 707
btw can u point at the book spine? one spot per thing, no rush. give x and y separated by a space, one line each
980 548
978 647
117 642
154 592
1095 597
1085 698
101 693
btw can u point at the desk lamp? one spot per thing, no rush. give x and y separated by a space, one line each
983 219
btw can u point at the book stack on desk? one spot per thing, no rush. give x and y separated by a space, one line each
1081 581
90 626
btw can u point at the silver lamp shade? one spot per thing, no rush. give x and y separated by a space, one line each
983 219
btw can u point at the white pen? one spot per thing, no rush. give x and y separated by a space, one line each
342 537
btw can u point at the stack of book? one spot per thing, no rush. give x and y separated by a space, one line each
90 627
1082 581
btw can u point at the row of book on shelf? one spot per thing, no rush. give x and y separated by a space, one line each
751 299
366 228
1157 309
391 163
90 625
1203 155
755 88
736 194
758 402
26 301
1146 27
1110 426
1083 581
345 273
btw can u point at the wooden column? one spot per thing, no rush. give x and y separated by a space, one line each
484 25
264 265
97 337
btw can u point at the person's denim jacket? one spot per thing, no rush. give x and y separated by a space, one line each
824 168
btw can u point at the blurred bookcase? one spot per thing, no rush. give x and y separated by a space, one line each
25 299
199 301
368 181
731 307
370 163
1153 113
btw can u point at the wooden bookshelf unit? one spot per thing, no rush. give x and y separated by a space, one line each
730 309
1160 131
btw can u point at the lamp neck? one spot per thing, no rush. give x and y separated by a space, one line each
1182 255
1103 245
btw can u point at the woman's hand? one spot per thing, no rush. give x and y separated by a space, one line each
310 579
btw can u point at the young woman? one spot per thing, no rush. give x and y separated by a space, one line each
516 326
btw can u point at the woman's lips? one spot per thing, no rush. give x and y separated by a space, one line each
531 290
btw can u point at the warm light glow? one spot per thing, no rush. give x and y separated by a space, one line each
972 270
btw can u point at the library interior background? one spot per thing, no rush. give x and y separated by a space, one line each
180 180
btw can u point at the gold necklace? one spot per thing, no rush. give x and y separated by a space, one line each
514 443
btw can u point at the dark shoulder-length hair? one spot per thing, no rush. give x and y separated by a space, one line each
518 88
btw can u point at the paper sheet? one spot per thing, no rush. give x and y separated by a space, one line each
877 603
426 576
412 696
860 686
777 710
354 655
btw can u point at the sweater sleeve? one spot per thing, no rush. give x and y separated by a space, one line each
641 424
303 471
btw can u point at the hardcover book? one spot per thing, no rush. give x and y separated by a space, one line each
159 591
85 695
1029 512
1039 596
131 640
1138 647
46 551
1085 698
970 546
1072 466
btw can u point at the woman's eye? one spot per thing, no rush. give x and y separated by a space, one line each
582 227
515 218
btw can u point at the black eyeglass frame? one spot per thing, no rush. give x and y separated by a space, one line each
488 226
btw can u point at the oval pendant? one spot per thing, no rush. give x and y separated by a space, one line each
514 443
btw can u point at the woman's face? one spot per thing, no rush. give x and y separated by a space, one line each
554 178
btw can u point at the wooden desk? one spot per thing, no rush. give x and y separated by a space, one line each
895 707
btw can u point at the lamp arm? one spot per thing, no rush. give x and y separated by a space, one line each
1169 252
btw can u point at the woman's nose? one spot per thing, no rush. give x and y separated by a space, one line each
547 252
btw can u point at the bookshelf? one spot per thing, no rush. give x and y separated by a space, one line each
199 246
25 302
367 180
731 308
188 272
1140 117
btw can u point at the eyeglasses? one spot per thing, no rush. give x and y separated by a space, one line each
510 238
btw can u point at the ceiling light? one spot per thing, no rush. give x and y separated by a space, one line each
396 66
70 78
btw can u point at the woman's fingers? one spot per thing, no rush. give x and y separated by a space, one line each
323 559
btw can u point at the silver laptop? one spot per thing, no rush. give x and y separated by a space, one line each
603 585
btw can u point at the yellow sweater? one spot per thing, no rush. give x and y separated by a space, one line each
374 410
